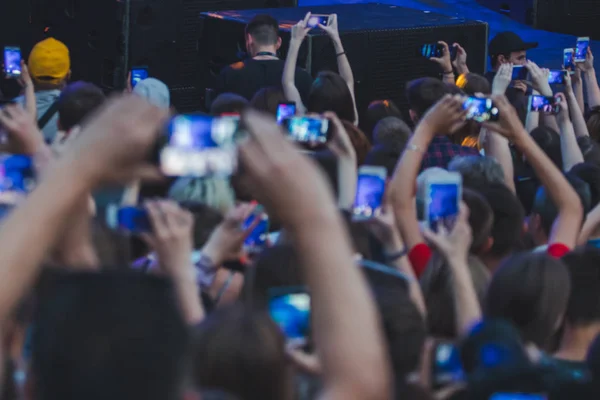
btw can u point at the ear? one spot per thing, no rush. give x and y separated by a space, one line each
413 116
278 45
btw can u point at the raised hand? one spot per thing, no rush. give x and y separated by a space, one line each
301 29
539 78
460 62
502 79
446 115
508 125
563 105
588 64
332 27
444 61
24 136
453 245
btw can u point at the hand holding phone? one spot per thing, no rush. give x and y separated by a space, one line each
12 62
290 309
257 239
581 49
309 130
317 19
436 50
442 199
138 74
481 109
369 192
547 105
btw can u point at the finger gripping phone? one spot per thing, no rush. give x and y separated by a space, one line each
481 109
442 199
547 105
581 48
312 130
290 309
12 62
318 19
138 74
369 192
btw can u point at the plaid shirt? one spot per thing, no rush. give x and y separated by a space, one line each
441 151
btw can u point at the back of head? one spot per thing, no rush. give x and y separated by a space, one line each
549 141
228 103
154 91
381 156
481 219
423 93
378 110
267 100
509 217
242 352
590 174
544 207
477 171
531 290
264 30
472 83
77 101
359 141
584 302
49 63
391 132
593 124
107 336
329 92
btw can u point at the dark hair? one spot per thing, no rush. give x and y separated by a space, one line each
549 141
590 174
76 102
392 132
508 218
424 93
593 123
472 83
378 110
329 92
359 141
584 302
267 100
241 351
228 103
108 336
264 29
531 290
494 59
481 218
477 171
546 209
589 149
382 156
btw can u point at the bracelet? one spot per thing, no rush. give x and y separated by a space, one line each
395 256
340 54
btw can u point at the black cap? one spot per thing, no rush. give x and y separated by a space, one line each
507 42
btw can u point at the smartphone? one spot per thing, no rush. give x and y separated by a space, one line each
130 219
313 130
519 73
569 60
285 110
446 365
257 240
369 192
138 74
480 109
290 307
17 174
557 76
442 199
436 50
581 49
12 62
547 105
318 19
200 145
518 396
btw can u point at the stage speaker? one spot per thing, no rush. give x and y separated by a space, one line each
382 43
574 17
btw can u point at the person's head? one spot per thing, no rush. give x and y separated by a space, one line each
381 156
481 220
77 101
329 92
213 191
154 91
583 308
590 150
107 336
267 99
590 174
508 47
241 351
228 103
531 290
593 124
549 141
359 141
262 34
391 132
378 110
544 211
473 84
422 94
477 171
49 64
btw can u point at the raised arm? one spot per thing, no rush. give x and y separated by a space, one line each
498 147
590 80
579 124
345 322
566 226
445 64
460 62
342 59
341 146
578 88
29 91
288 82
570 150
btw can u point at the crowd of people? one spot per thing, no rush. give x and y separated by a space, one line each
501 303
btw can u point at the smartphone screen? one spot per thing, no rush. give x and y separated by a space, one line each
138 74
133 220
518 396
568 60
312 130
318 19
519 73
581 48
257 239
443 201
557 76
199 145
290 309
543 104
17 174
369 193
12 62
447 366
285 110
436 50
480 109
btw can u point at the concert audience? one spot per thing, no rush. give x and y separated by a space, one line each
472 272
